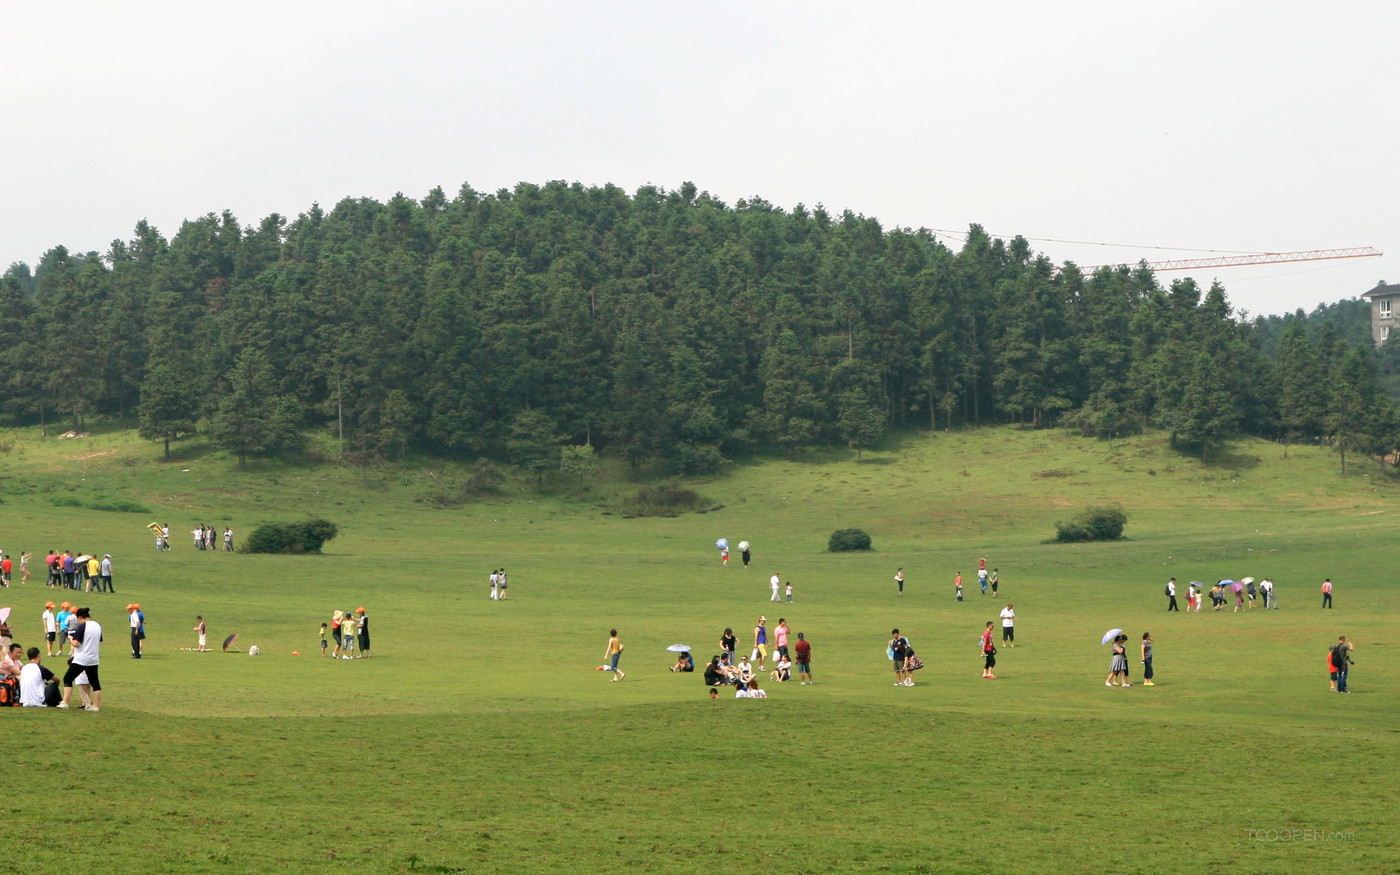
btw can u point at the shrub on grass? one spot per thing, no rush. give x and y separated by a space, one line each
1094 524
847 540
666 500
303 537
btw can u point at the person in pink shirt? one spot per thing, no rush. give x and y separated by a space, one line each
780 637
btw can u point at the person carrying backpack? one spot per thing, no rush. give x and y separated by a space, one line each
1341 658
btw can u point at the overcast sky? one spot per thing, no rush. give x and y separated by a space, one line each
1213 125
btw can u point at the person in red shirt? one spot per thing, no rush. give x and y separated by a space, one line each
989 653
49 561
803 650
5 566
1332 669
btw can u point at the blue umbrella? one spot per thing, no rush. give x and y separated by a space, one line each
722 544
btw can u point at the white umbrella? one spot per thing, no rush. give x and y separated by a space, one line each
4 615
1246 580
743 546
679 648
722 544
1110 635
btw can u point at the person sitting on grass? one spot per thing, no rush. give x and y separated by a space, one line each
714 673
751 691
743 672
684 662
783 672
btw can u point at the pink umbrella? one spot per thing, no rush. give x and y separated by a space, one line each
1237 586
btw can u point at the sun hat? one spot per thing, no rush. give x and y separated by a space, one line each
50 605
359 610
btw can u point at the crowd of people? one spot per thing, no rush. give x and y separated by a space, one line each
26 681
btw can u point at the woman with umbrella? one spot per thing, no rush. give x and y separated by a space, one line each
722 545
1118 667
744 553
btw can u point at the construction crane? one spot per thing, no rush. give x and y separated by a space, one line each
1253 258
1233 259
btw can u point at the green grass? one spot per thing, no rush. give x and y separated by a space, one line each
480 738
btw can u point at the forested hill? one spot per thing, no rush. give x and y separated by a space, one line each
656 323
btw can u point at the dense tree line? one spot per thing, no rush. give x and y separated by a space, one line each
657 324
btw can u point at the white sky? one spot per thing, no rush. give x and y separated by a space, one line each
1218 125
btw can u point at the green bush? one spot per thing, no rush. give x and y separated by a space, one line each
667 500
302 537
847 540
1094 524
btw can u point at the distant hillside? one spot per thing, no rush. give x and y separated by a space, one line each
658 324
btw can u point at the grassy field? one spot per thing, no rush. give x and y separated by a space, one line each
481 739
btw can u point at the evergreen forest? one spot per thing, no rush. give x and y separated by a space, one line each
663 327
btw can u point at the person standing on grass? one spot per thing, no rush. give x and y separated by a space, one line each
1118 667
86 648
957 588
1147 660
728 644
804 659
504 585
51 563
335 632
1008 626
1171 596
134 622
899 581
348 628
1341 657
362 631
24 566
745 555
6 566
104 572
200 628
989 653
50 627
1327 593
788 586
992 579
495 584
780 638
1332 668
323 640
228 540
613 654
899 652
773 583
760 641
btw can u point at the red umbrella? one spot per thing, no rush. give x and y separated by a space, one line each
229 641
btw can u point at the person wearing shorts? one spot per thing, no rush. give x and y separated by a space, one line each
323 639
899 650
87 641
1008 626
803 650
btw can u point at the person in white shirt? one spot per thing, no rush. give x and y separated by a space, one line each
31 681
1008 626
773 583
50 627
87 641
